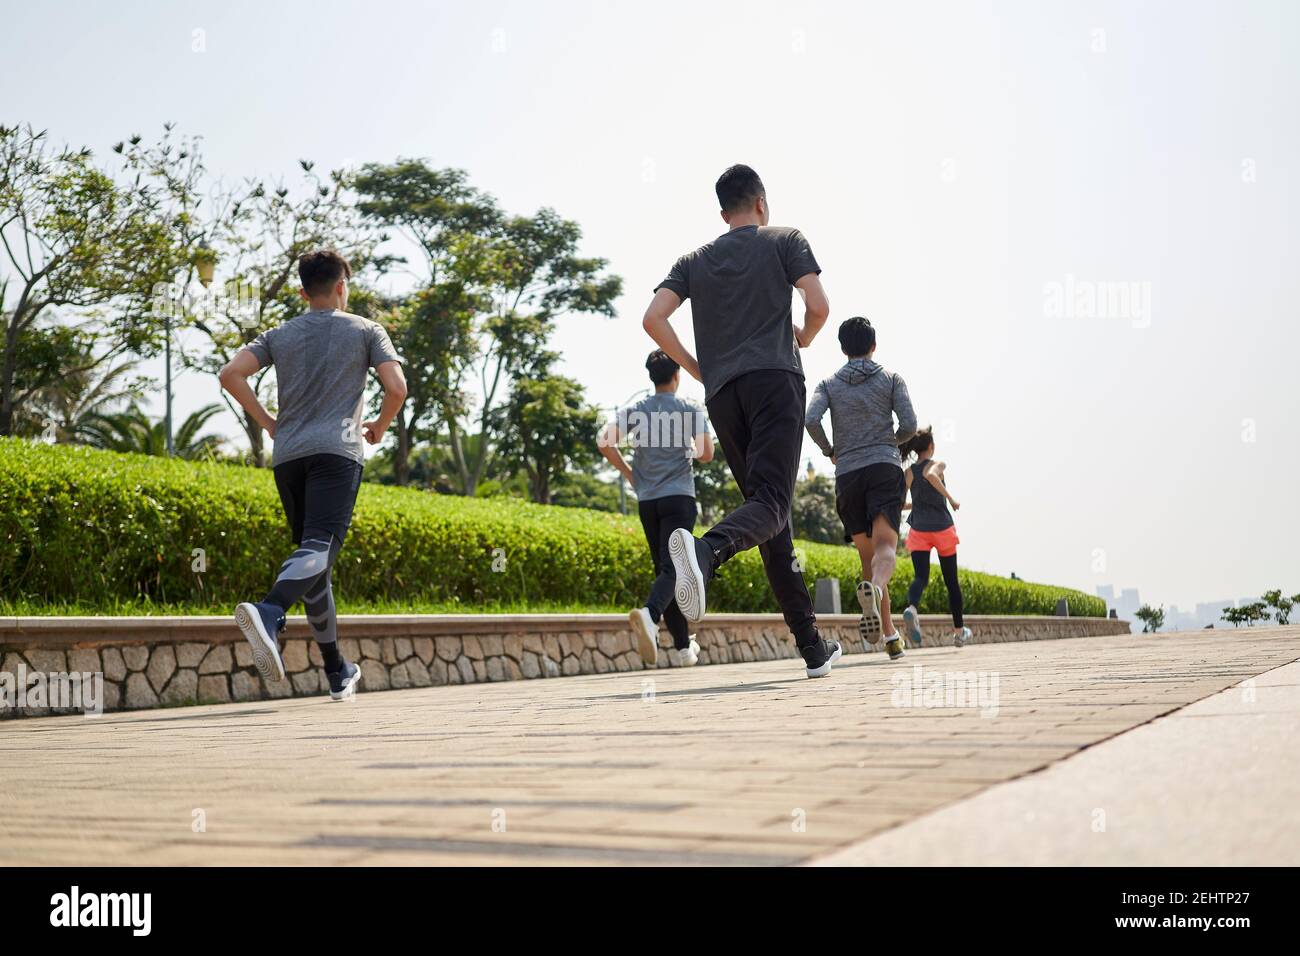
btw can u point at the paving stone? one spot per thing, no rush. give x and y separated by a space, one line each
182 688
137 658
114 665
214 688
217 660
162 664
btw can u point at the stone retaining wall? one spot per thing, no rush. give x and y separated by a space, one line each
162 661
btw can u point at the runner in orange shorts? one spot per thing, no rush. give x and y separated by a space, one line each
931 526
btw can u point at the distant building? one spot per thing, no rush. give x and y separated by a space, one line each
1125 605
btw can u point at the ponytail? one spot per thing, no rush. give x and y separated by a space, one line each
918 443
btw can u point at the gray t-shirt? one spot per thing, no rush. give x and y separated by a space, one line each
322 359
740 291
660 428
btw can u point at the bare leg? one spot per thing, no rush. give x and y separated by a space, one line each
884 540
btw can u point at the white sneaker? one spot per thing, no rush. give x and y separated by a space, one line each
961 638
647 635
869 625
687 657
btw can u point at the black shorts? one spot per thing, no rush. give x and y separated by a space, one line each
874 490
318 493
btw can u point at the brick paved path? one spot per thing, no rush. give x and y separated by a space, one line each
743 763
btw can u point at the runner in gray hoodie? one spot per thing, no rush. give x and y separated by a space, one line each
863 398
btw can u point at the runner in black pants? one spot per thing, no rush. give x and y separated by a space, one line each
322 360
739 286
932 527
667 433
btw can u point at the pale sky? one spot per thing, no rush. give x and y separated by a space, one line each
949 163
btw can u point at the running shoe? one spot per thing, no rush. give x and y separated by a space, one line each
912 621
647 635
869 625
819 657
692 561
894 646
961 638
343 682
261 625
687 656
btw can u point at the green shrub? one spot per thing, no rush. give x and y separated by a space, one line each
102 529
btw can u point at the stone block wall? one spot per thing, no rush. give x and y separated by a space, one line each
170 661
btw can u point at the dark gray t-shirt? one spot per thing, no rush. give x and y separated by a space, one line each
321 363
660 428
740 291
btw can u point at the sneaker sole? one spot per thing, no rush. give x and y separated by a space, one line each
912 621
266 655
689 590
349 688
646 644
869 626
825 668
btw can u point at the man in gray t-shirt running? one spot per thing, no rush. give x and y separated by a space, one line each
666 434
322 361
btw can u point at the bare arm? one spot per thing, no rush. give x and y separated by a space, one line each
816 309
393 379
934 475
608 445
657 326
704 447
234 379
907 502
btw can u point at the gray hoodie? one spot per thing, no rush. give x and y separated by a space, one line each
863 397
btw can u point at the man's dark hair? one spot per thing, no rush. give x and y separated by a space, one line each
857 337
661 367
738 187
319 270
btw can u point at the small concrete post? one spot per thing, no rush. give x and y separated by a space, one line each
827 599
1062 608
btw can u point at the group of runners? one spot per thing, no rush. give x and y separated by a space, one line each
748 345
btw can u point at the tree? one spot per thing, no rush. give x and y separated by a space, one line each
1281 606
66 406
1152 618
73 238
434 329
494 285
132 431
813 515
547 424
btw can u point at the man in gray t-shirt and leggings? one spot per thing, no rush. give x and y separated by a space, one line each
666 433
322 361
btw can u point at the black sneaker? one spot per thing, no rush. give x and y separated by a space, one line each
693 560
261 625
343 682
819 657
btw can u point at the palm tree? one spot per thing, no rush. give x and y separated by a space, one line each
93 387
132 431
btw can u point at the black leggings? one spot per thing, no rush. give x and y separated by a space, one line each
660 517
921 577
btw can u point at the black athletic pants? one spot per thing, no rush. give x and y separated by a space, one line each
759 420
660 517
921 577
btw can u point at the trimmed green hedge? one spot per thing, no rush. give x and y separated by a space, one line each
100 528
